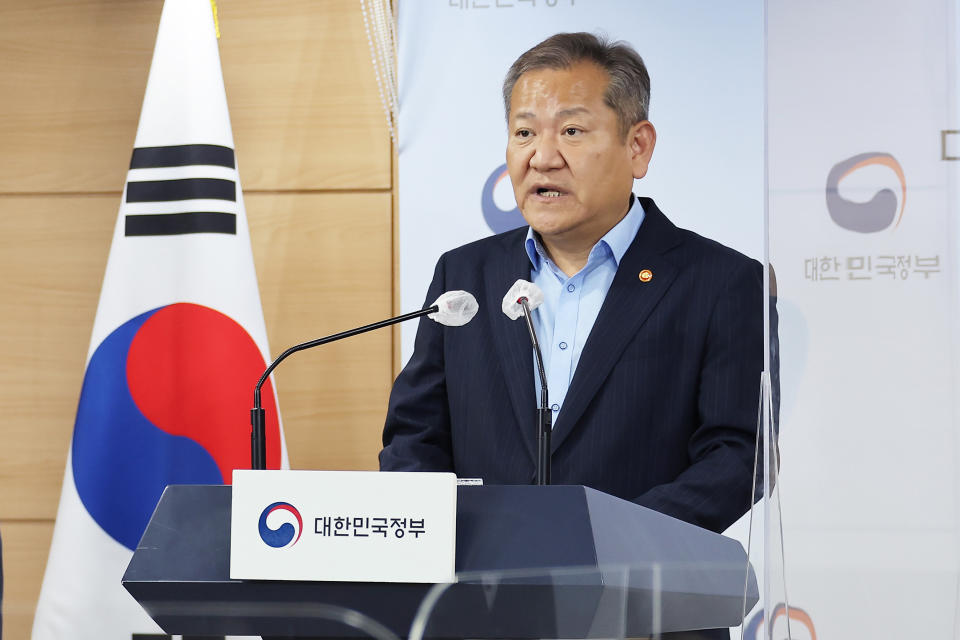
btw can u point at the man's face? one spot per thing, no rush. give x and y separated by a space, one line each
571 169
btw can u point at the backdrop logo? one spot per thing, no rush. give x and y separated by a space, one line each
286 533
877 213
499 220
799 619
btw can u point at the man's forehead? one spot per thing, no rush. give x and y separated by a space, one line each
560 92
561 113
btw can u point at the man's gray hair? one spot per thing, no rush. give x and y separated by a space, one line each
628 93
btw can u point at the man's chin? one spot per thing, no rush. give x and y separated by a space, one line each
550 229
546 219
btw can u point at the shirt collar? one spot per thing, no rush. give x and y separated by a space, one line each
617 240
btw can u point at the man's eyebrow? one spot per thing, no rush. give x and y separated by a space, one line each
524 114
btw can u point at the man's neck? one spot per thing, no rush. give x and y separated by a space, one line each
569 259
570 254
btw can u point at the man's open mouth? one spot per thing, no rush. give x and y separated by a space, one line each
548 193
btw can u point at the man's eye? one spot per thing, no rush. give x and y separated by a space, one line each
571 131
524 133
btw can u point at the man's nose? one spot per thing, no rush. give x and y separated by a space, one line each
546 155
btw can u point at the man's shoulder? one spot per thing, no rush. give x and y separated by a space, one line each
700 249
489 248
690 249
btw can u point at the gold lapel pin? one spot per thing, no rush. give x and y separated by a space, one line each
646 275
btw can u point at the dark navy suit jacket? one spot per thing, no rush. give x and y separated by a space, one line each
662 408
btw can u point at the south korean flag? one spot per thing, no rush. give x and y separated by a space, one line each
178 343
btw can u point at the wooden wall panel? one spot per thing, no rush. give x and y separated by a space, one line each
302 94
53 251
71 86
25 547
324 265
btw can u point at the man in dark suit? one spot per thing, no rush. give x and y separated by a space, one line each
652 335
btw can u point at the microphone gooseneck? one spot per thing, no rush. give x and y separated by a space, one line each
544 414
453 308
522 298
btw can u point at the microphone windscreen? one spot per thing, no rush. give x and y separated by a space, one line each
457 308
521 289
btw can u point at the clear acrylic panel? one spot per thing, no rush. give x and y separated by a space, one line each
861 536
649 601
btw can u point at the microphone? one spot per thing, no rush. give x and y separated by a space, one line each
521 289
522 298
452 309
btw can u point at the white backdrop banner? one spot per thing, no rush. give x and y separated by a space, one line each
862 237
862 117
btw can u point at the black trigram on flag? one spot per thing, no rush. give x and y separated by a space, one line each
158 201
161 636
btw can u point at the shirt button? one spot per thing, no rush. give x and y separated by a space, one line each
555 407
563 345
571 288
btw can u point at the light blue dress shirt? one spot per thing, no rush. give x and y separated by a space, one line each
571 304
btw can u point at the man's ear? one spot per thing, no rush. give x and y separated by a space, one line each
641 139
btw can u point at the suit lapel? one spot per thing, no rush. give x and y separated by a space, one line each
628 304
513 343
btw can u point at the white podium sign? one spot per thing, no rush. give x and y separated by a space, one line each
344 526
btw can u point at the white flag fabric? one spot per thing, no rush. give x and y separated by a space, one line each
178 342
